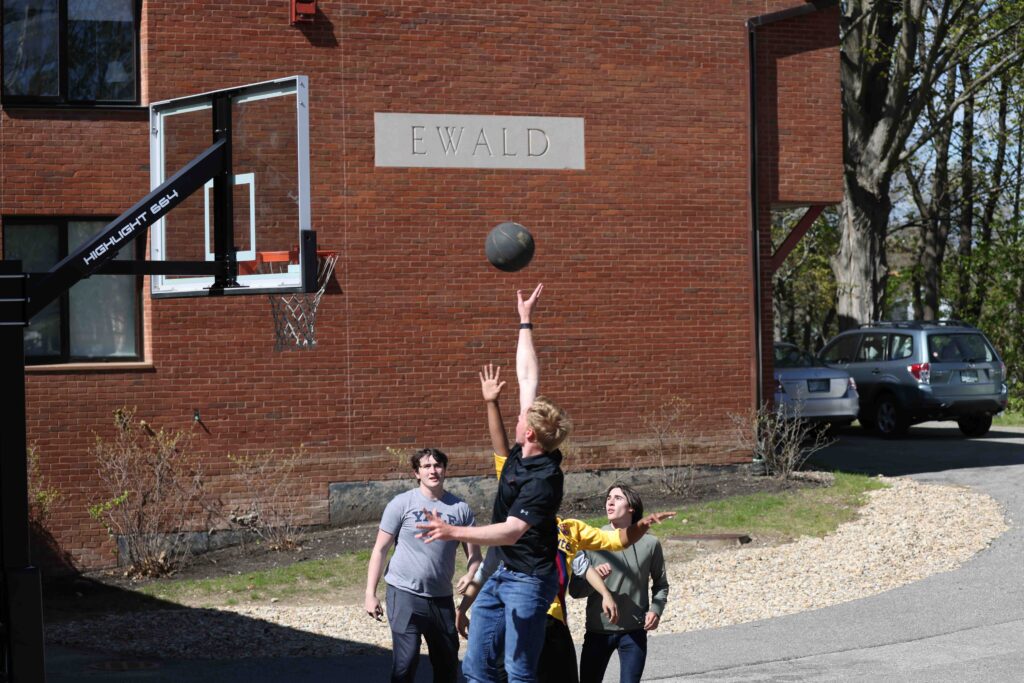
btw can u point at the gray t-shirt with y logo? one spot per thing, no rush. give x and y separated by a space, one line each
417 567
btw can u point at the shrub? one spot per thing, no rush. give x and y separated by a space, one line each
267 478
41 498
669 448
154 488
783 442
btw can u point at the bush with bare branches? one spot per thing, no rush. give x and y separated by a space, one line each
670 448
41 498
154 488
783 441
268 480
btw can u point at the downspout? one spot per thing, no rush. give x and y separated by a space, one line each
753 24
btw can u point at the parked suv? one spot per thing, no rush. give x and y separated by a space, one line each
909 372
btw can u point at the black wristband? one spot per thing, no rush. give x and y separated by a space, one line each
526 326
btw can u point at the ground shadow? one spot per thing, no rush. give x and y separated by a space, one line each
167 642
925 448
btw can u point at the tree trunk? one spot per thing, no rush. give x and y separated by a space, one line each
963 301
860 265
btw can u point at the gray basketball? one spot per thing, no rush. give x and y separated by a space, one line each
509 247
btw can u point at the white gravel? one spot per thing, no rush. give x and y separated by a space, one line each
905 533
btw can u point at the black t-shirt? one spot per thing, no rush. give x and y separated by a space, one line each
530 489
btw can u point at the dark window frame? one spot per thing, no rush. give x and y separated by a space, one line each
65 358
61 99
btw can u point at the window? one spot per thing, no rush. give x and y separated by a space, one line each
872 348
900 346
841 350
98 318
956 348
70 51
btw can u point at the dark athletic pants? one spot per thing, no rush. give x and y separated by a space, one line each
557 658
411 617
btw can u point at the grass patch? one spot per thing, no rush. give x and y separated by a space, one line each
1009 418
788 515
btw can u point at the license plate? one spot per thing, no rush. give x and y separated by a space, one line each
969 376
817 385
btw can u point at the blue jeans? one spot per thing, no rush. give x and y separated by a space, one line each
509 617
598 649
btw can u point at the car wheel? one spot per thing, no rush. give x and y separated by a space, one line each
890 421
975 425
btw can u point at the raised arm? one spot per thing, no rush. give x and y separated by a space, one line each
635 532
491 386
527 366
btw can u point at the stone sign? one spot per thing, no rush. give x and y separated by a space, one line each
456 141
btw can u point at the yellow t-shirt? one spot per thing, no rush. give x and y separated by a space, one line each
574 535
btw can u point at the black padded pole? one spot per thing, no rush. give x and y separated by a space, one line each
22 612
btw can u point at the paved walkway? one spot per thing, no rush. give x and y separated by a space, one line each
964 625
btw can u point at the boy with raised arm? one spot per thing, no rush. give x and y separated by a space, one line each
558 655
513 604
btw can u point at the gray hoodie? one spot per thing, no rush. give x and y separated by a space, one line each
632 570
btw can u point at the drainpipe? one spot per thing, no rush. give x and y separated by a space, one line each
753 24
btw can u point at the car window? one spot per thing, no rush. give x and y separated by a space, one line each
959 348
841 350
792 357
872 347
783 352
900 346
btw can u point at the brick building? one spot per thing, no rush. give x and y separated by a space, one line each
647 252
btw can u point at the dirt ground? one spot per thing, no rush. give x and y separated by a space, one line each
67 598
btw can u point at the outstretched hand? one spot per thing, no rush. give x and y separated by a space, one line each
435 528
654 518
490 384
526 307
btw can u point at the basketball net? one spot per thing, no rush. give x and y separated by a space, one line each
295 314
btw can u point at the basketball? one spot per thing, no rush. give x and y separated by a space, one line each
509 247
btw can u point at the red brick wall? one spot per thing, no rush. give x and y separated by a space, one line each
645 255
799 133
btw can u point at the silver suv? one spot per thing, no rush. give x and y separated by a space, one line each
909 372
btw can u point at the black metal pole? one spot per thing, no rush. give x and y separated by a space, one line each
223 202
22 589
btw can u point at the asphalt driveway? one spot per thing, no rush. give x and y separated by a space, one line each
964 625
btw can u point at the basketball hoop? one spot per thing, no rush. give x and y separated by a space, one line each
294 314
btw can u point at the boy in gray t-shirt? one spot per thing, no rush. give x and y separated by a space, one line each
419 575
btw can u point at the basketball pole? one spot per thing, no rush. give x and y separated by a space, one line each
22 604
22 295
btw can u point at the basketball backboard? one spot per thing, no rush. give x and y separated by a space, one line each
269 126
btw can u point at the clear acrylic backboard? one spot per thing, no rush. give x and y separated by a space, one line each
270 182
